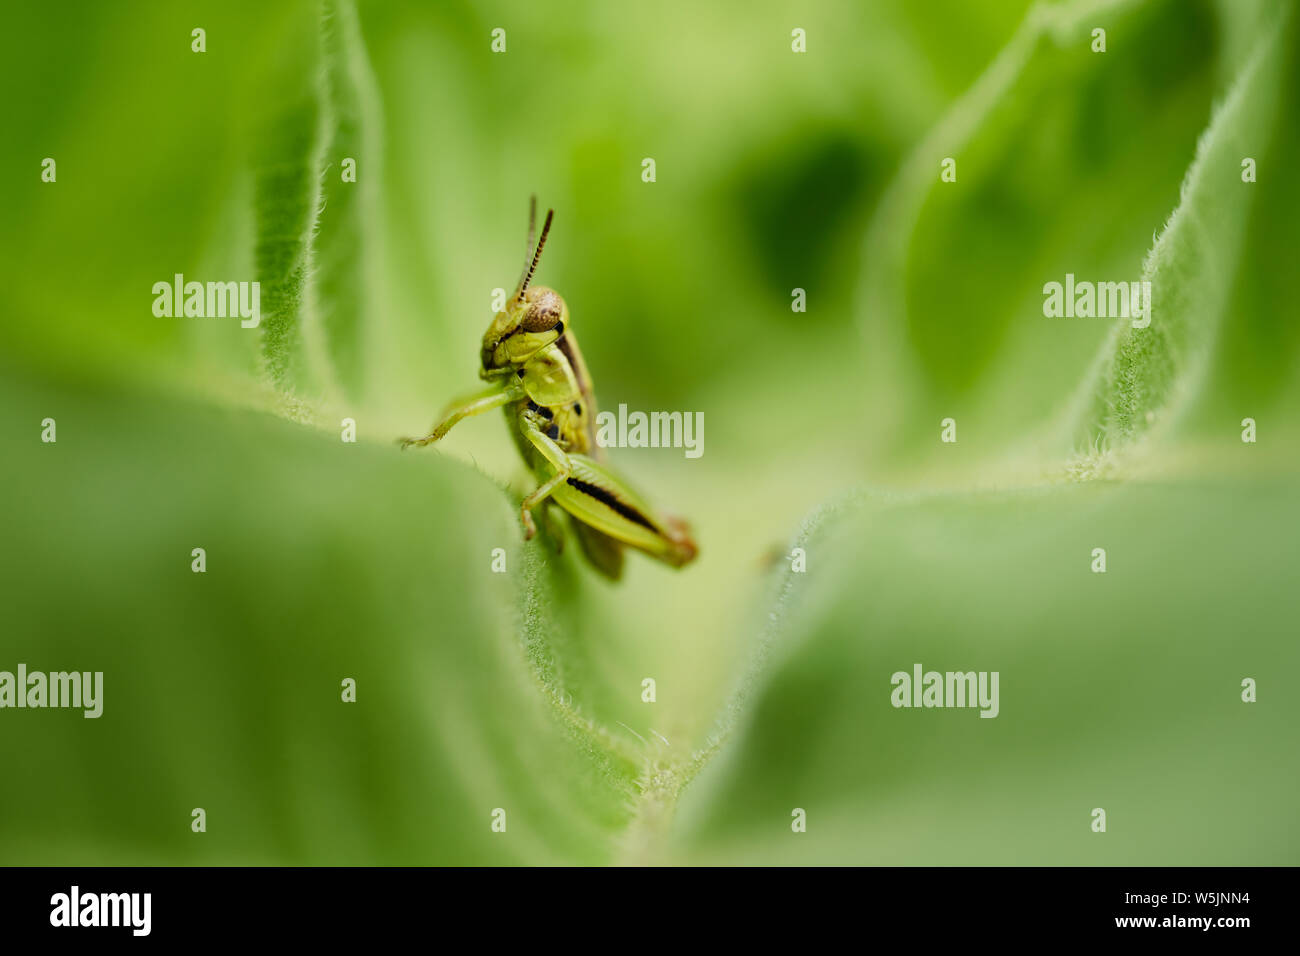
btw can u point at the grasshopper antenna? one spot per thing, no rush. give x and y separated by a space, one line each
537 255
532 227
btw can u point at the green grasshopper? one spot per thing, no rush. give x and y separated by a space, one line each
532 357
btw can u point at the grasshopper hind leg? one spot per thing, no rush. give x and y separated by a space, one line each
604 553
596 496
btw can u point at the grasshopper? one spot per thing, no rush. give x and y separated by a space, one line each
531 356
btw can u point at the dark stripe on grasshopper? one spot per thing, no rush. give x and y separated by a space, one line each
605 498
569 349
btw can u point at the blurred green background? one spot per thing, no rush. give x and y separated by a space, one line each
775 170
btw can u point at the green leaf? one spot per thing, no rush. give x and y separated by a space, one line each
222 689
288 167
960 581
346 236
1152 372
1118 690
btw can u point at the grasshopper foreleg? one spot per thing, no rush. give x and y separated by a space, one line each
475 404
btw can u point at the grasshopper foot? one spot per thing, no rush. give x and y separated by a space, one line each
406 443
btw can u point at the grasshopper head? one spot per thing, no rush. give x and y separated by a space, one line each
533 318
524 327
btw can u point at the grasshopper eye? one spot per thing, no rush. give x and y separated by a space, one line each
544 310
